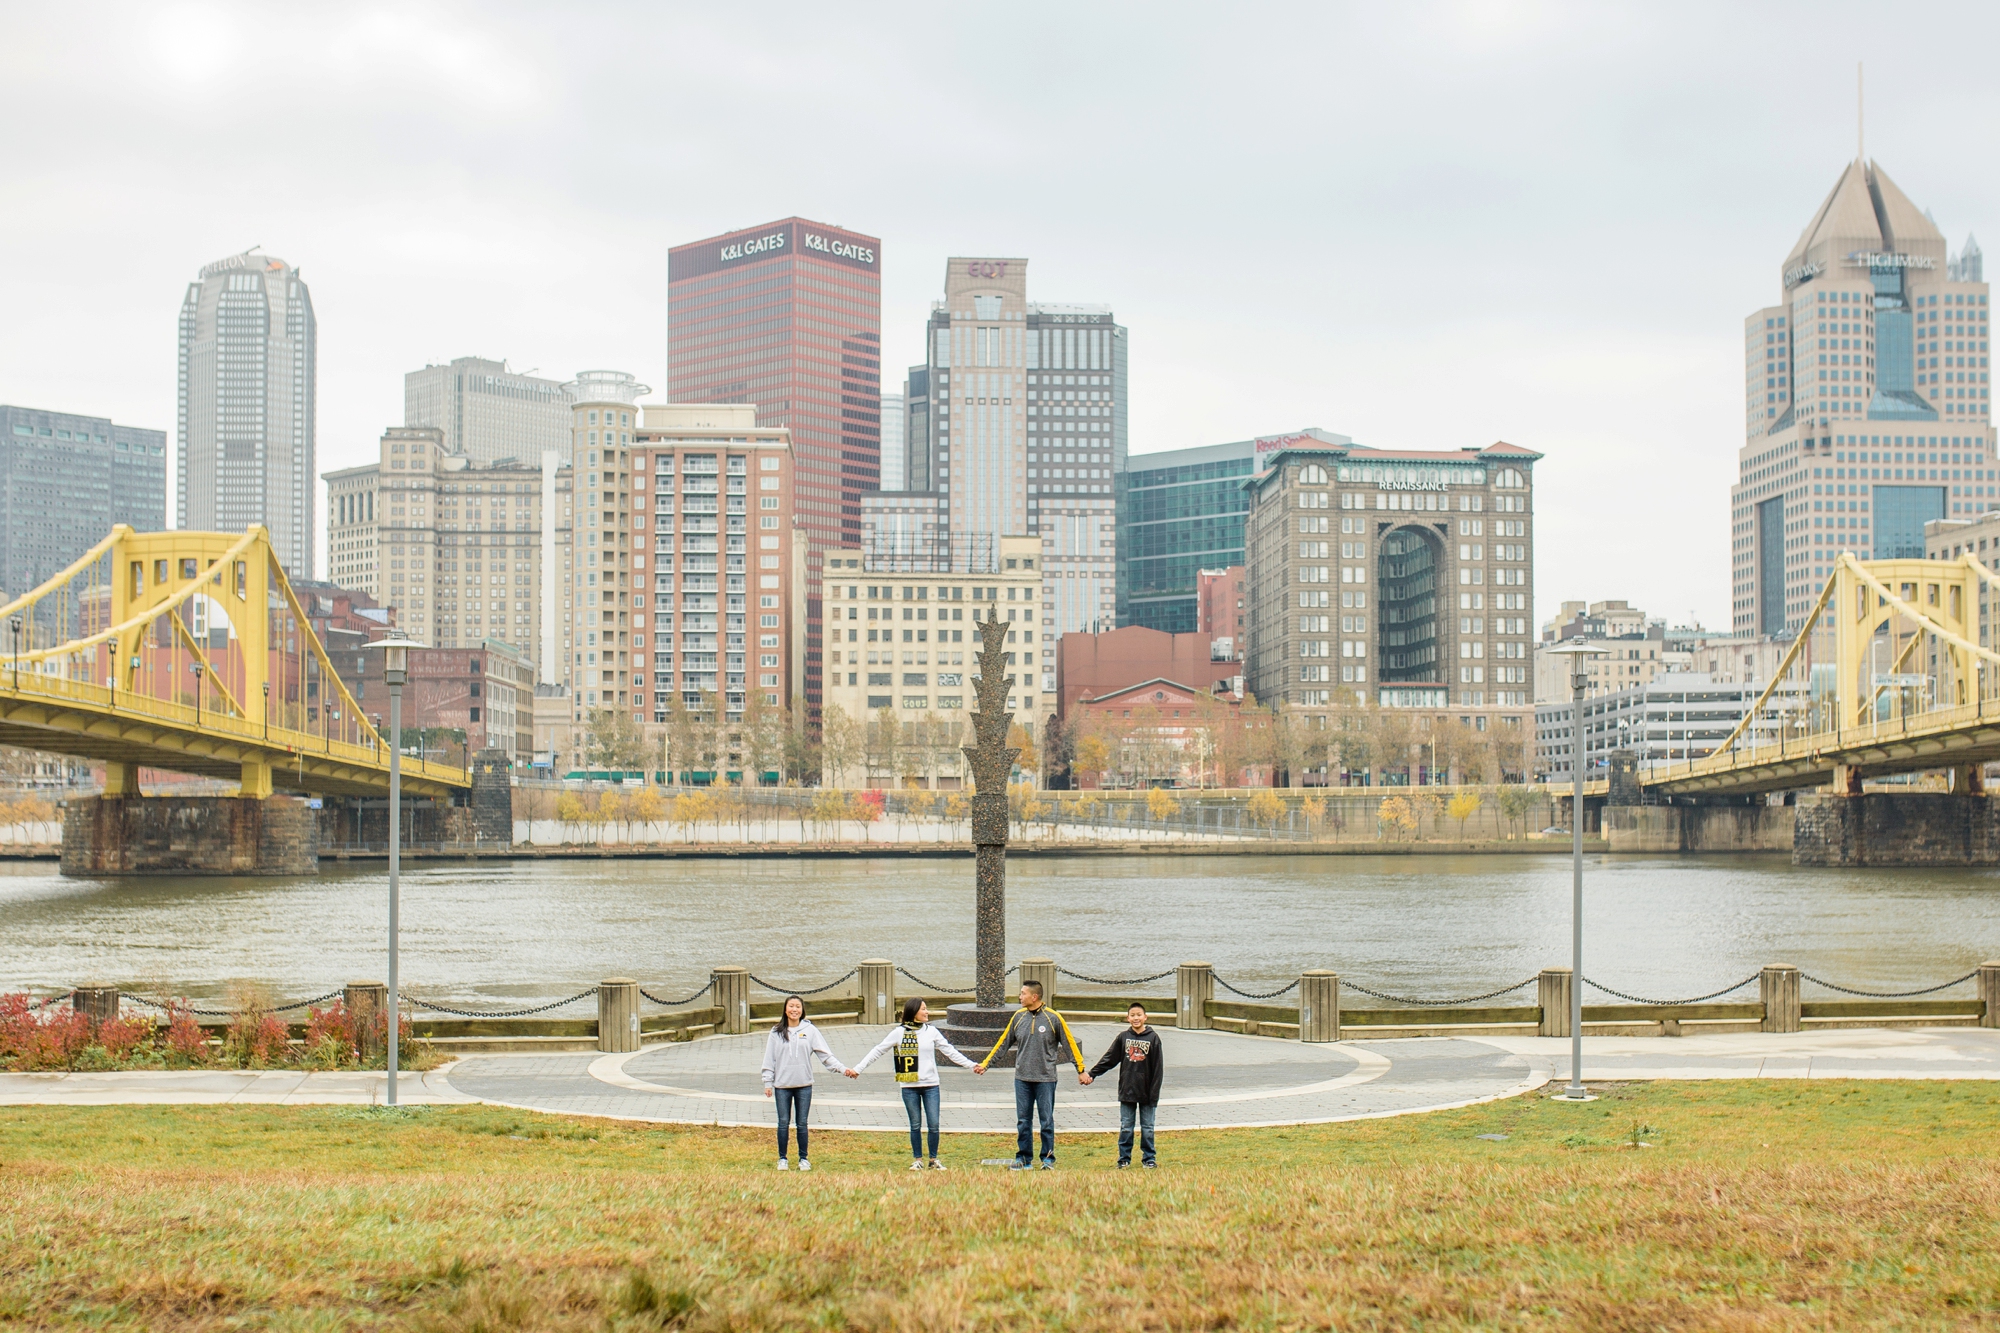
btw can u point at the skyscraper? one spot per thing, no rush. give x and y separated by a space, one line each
1179 513
488 412
65 479
1867 401
248 367
1017 422
788 317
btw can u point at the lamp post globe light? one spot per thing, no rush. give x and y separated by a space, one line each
1578 653
395 650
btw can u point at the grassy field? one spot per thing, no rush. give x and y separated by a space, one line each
1769 1205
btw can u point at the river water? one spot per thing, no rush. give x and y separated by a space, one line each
506 934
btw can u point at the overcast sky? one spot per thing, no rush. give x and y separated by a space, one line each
1422 226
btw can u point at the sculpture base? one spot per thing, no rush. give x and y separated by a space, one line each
973 1028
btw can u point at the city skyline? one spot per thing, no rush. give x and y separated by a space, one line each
1432 274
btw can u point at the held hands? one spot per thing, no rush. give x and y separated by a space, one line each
979 1069
852 1073
1084 1079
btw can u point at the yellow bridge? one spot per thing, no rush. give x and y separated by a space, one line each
189 651
1895 681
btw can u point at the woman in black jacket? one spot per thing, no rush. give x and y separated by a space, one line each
1141 1069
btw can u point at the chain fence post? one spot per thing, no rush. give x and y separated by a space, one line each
1044 971
1989 993
99 1004
732 995
1194 987
1778 988
1552 988
878 991
365 1001
1319 1005
618 1014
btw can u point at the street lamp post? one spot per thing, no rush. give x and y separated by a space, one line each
14 623
395 670
195 669
1579 680
267 712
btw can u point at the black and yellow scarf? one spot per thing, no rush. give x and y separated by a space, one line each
907 1052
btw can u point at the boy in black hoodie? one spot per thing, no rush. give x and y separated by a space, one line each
1141 1069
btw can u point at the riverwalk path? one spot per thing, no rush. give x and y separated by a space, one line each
1215 1080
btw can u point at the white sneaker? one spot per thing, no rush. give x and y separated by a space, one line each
936 1165
784 1165
917 1164
804 1165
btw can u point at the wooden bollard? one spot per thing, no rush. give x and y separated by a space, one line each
1044 971
1989 991
1778 988
1552 992
732 996
1194 987
878 991
366 1002
618 1014
1319 1005
99 1004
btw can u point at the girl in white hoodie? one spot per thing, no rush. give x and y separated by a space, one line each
917 1046
788 1073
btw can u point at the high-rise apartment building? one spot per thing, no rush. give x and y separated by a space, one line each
600 583
895 463
902 646
1404 577
725 566
1179 512
488 412
788 317
1868 402
460 548
65 480
248 367
1022 409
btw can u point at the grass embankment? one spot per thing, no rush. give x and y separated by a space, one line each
1759 1205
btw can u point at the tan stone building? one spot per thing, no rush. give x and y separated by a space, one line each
1402 577
901 647
459 547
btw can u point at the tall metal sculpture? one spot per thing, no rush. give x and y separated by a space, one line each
992 762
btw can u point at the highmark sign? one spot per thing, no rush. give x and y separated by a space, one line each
1881 259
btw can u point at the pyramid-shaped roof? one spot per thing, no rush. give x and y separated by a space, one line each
1904 225
1867 211
1847 216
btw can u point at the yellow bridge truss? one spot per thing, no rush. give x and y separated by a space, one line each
1896 681
189 651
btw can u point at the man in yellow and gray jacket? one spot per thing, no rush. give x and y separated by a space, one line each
1044 1041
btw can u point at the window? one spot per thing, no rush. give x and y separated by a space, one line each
1312 474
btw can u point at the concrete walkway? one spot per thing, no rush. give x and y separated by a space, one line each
1214 1080
1842 1053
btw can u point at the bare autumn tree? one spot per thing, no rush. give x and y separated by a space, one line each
841 742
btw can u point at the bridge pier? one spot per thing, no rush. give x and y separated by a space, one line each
189 835
1955 828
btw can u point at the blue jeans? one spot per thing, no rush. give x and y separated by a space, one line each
1127 1113
1030 1098
922 1104
793 1101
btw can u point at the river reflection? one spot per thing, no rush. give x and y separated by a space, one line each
1432 927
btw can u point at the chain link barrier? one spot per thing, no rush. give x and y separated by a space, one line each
1252 995
430 1008
1891 994
51 1002
1712 995
165 1006
771 986
1101 981
674 1003
1345 984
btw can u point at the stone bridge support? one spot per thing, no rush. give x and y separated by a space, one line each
1955 828
189 835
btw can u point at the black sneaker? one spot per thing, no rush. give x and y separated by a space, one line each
1123 1166
1150 1165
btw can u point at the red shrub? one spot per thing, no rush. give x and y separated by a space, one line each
123 1035
332 1024
257 1039
184 1035
66 1034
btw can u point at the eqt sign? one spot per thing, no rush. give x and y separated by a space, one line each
986 268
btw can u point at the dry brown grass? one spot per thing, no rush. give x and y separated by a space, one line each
1762 1206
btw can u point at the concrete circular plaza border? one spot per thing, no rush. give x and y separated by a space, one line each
1214 1080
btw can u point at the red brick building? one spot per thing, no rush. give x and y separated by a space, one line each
486 692
1218 607
1091 666
1161 733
